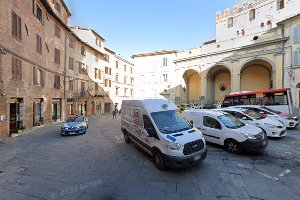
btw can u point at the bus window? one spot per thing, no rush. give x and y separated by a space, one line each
244 100
227 102
236 101
280 99
252 100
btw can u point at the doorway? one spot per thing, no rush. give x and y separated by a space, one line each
107 107
56 110
16 114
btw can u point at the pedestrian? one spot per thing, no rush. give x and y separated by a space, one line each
114 114
120 112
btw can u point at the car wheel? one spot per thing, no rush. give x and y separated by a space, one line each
127 138
159 162
266 135
233 146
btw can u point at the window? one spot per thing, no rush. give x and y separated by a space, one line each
57 7
37 11
71 63
106 70
109 83
252 14
117 91
82 89
297 57
131 81
230 22
296 34
165 61
109 71
269 24
57 82
117 78
38 77
96 73
81 68
125 68
57 56
96 57
71 43
117 64
57 31
165 77
83 50
280 4
71 85
125 91
147 123
131 93
96 87
16 69
16 26
105 83
131 70
38 44
124 80
211 123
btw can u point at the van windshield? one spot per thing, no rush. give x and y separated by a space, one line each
253 114
230 121
170 121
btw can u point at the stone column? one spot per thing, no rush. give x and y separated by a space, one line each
277 73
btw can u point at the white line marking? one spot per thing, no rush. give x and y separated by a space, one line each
287 171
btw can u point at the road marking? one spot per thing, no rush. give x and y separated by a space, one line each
117 138
287 171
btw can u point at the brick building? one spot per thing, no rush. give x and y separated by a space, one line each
47 72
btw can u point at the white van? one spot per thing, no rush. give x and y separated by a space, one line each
286 119
158 127
224 129
271 127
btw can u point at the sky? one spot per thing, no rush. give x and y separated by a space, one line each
142 26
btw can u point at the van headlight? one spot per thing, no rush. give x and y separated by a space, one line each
270 125
173 146
249 136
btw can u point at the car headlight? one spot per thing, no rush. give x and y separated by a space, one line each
287 117
270 125
249 136
173 146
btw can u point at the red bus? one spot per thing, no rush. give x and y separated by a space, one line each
277 99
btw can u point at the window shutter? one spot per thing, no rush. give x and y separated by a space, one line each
19 68
34 75
13 72
55 81
296 34
42 78
14 24
34 8
296 57
19 28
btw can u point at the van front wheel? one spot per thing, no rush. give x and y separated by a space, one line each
159 162
127 138
233 146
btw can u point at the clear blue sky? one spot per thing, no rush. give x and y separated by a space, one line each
140 26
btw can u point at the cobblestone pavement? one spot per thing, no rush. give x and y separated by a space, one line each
100 165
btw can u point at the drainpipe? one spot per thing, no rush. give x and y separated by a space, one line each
65 79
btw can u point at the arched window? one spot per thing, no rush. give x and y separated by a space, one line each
230 22
252 14
269 24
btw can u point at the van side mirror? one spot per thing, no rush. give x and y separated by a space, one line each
151 132
192 122
218 126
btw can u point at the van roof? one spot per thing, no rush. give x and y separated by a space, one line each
212 112
151 105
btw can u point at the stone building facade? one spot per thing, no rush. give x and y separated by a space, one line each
249 52
47 71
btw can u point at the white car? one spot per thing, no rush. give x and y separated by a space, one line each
285 119
224 129
161 130
271 127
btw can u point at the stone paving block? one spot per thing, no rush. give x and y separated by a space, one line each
105 193
155 194
157 185
171 187
187 188
172 196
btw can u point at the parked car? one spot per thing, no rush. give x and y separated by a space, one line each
75 125
162 131
224 129
271 127
284 118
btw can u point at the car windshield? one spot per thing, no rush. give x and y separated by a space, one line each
170 121
253 114
230 121
271 110
75 119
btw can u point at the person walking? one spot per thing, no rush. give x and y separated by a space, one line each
114 114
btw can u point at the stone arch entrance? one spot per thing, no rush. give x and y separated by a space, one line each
191 92
218 83
256 75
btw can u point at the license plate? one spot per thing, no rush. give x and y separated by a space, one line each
71 133
264 143
197 157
